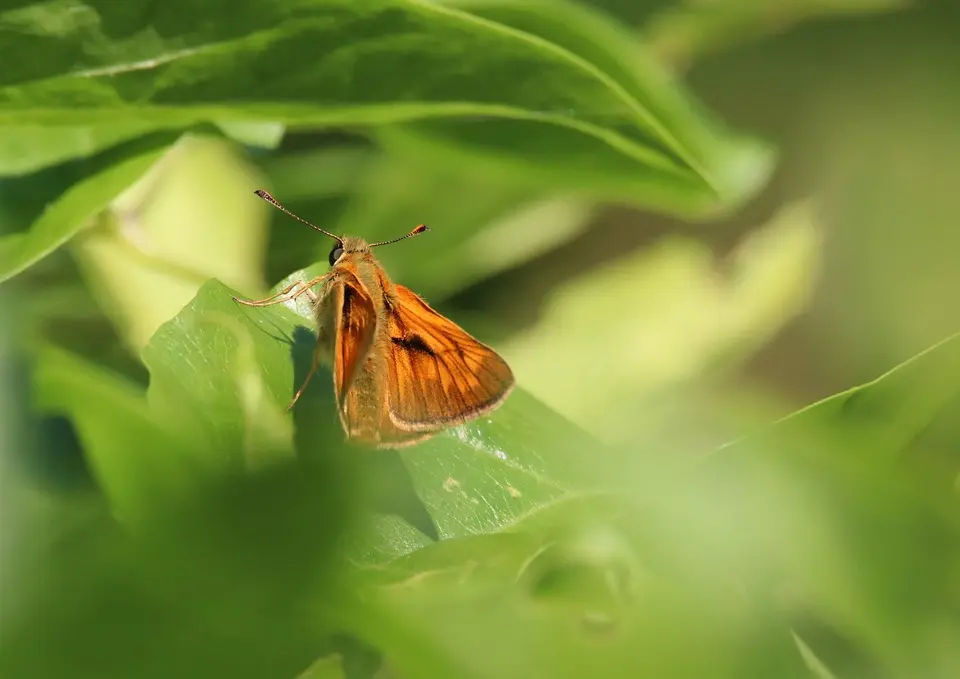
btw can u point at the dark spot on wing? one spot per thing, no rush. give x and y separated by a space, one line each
413 343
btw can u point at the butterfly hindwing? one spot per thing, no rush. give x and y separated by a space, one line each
438 375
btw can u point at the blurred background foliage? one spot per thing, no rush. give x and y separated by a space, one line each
680 222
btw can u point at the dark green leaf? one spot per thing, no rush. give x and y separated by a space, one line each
90 187
734 167
336 62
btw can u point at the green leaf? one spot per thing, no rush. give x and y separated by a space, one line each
225 375
477 478
101 180
735 167
214 583
329 667
682 34
139 462
189 66
841 501
30 147
581 602
893 410
796 522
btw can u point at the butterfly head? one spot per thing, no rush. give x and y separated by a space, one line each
352 245
347 245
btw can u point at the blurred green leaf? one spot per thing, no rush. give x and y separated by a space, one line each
188 65
880 535
324 668
100 181
404 189
892 410
683 319
798 519
571 604
681 34
214 583
138 460
179 226
319 173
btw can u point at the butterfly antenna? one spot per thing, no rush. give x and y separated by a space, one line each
418 229
276 203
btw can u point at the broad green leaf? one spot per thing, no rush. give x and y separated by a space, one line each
734 167
207 573
189 66
100 181
225 375
476 478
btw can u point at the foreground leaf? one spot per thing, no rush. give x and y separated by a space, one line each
189 66
847 479
580 603
138 462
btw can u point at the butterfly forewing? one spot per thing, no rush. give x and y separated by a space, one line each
438 375
356 323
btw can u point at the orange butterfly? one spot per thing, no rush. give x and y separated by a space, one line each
401 371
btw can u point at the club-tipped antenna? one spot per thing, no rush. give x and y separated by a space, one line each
276 203
418 229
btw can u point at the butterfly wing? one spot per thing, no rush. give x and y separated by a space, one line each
437 374
355 319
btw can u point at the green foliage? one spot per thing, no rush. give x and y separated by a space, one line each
224 536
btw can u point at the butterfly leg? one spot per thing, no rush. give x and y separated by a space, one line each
291 292
317 352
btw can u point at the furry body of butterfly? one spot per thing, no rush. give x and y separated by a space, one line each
401 371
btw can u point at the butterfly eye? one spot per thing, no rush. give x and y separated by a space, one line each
335 254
